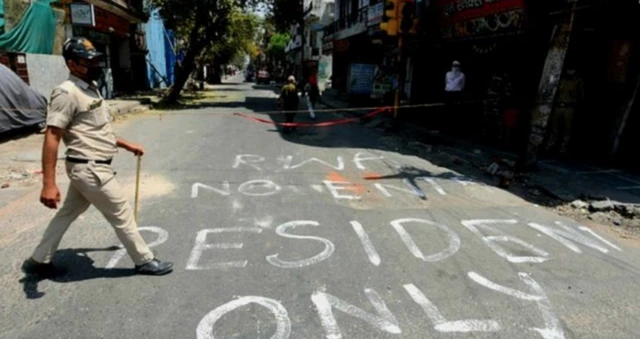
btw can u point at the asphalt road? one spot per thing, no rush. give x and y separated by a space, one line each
329 232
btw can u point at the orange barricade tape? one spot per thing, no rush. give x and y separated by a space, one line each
318 124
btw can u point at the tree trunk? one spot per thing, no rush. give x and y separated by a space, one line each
188 64
548 87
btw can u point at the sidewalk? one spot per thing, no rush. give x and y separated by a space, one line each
120 107
331 100
605 195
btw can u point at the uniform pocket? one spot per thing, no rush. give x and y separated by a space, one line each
100 115
75 171
102 173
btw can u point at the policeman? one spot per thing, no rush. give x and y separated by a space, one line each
79 116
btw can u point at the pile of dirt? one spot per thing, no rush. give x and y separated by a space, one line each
12 176
604 212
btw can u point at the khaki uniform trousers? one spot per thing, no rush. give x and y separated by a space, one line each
94 184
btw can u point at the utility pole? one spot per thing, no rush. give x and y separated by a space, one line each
399 20
399 80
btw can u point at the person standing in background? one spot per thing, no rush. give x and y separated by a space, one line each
313 94
289 101
455 81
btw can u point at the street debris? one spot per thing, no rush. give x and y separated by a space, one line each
5 186
579 204
601 206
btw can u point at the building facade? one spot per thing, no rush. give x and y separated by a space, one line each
116 29
114 26
305 49
561 76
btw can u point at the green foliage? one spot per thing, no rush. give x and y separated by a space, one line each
238 40
212 31
284 13
275 48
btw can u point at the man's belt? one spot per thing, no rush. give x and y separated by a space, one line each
85 161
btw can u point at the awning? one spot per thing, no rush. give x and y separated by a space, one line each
117 9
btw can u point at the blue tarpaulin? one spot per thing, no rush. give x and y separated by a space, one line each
35 33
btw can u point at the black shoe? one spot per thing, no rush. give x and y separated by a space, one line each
32 267
155 267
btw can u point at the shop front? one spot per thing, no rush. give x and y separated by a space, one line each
113 35
490 41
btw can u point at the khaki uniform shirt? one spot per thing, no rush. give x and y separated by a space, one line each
79 109
289 96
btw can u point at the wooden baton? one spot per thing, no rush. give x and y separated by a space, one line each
137 201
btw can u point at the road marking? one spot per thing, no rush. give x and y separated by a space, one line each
382 320
163 236
289 159
249 160
283 323
435 185
226 190
441 324
553 328
493 241
201 245
270 186
369 249
565 236
453 239
335 187
588 230
329 247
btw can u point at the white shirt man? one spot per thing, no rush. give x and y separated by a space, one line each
455 79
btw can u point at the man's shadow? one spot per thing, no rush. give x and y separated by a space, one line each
77 266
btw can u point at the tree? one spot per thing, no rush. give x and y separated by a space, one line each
200 25
238 40
284 13
275 53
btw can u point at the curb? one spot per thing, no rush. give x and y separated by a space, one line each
129 109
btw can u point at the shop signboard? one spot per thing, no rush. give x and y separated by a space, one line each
82 14
362 78
467 19
382 82
341 46
110 23
374 16
327 48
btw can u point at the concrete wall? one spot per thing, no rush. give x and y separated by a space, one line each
46 72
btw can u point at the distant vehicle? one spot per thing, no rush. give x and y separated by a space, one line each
21 107
263 77
248 77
